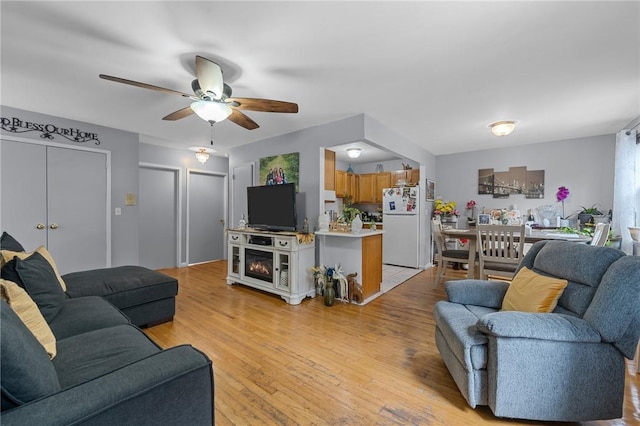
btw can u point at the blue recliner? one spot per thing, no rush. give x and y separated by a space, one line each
567 365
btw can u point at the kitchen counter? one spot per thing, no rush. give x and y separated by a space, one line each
357 253
363 234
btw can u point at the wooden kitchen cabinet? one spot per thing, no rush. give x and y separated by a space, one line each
341 183
366 188
383 180
329 170
353 183
399 175
411 177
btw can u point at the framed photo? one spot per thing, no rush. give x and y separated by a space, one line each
484 219
279 169
431 190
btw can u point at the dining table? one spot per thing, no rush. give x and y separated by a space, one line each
534 236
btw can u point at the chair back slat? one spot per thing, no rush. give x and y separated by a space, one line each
500 249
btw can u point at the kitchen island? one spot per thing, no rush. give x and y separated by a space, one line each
360 253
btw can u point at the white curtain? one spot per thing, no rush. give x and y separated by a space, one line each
626 187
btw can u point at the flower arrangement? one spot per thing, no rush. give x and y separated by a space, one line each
561 195
471 205
323 274
442 208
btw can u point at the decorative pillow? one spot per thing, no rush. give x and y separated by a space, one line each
37 277
28 312
7 255
27 371
531 292
7 242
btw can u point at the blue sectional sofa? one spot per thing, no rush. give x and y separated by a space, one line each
72 352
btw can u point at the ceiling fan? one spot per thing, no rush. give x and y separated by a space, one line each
212 99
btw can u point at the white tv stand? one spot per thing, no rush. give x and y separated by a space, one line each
276 262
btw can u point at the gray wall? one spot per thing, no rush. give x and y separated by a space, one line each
124 174
311 141
183 160
584 165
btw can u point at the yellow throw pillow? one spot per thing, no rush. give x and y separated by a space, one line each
531 292
28 312
7 255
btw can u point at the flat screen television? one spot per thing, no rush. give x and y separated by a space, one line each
272 207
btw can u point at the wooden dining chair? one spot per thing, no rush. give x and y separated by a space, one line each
600 234
445 255
500 250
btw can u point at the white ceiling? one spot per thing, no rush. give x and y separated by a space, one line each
435 72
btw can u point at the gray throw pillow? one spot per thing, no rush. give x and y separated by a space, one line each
38 278
27 371
7 242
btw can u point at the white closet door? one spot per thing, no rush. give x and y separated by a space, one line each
77 208
206 217
23 199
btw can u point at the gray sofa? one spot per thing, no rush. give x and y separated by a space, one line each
145 296
567 365
106 371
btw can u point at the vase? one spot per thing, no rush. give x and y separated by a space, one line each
356 225
329 293
323 222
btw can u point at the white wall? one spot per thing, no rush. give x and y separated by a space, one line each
584 165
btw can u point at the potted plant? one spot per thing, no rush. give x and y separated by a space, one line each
586 214
348 211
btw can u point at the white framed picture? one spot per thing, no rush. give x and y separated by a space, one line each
484 219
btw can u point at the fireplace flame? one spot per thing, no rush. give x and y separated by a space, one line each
259 267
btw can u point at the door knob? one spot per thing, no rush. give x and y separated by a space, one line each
53 226
222 221
40 226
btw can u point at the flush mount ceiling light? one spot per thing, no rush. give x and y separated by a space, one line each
202 156
503 128
354 152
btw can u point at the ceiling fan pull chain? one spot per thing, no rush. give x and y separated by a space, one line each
211 132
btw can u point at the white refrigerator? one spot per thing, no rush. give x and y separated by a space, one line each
400 221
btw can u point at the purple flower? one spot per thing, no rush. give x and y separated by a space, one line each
562 194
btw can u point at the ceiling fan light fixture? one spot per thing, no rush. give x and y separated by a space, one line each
354 152
202 155
503 128
211 111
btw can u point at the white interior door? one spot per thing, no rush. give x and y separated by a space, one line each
77 208
23 196
206 207
158 204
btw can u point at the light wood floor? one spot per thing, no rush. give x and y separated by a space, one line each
316 365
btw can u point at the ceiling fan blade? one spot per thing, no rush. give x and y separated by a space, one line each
265 105
181 113
242 120
209 77
144 85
